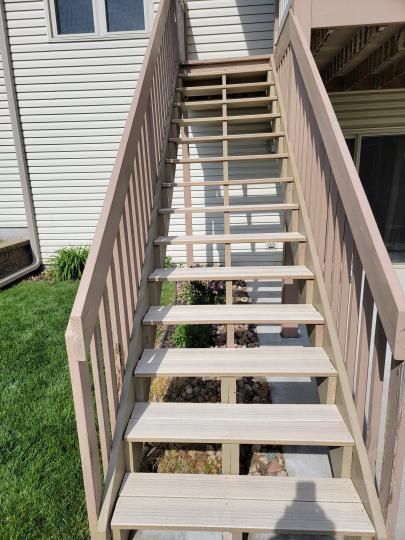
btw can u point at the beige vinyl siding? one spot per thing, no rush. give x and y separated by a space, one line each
74 97
223 28
12 212
368 111
215 29
213 195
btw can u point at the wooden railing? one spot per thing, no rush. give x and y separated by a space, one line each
283 9
102 323
363 291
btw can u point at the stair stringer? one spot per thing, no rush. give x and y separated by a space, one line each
360 472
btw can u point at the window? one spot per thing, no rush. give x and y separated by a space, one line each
380 160
97 18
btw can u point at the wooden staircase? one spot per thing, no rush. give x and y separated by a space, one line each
233 96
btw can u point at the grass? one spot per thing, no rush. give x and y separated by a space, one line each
41 494
168 293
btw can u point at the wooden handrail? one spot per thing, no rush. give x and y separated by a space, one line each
110 298
94 277
382 279
360 294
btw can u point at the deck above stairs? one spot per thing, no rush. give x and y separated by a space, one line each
234 96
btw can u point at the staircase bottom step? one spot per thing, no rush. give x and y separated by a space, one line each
240 504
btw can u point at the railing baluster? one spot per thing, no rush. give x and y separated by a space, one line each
353 318
120 291
115 327
345 287
100 392
377 383
363 352
109 358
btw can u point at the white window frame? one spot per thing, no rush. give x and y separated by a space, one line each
100 24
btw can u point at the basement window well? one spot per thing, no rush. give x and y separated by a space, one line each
97 19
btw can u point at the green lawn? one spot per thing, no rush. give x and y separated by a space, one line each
41 494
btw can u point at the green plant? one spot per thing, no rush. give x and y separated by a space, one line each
68 263
169 262
192 336
200 292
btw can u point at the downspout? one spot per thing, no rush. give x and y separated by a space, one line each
20 152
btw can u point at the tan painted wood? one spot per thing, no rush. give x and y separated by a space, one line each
217 514
219 159
216 362
242 182
230 103
272 207
319 425
230 238
238 60
264 273
216 89
381 276
233 137
211 74
233 314
360 472
241 119
246 487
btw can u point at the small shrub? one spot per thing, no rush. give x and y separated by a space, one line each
192 336
200 292
169 262
68 263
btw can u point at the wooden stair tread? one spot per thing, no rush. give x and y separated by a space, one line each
241 503
245 238
213 273
233 314
271 207
242 182
233 137
314 425
216 89
262 117
215 159
232 70
222 362
217 103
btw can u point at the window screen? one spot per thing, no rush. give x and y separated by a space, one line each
124 15
74 16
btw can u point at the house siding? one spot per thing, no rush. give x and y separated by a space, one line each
223 28
370 111
74 97
215 29
12 212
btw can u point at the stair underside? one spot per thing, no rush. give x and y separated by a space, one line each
241 503
264 273
231 137
216 89
241 182
314 425
246 238
221 362
234 314
272 207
